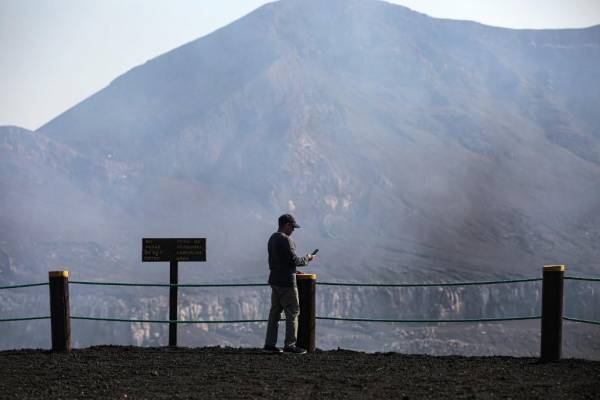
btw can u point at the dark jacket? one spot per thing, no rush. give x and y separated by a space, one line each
283 260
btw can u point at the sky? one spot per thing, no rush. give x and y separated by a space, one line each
56 53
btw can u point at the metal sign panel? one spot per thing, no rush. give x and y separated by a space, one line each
173 250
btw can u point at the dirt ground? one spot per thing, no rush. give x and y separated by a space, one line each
114 372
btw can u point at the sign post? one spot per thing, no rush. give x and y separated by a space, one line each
173 251
60 314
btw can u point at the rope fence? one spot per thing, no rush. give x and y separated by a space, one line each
429 284
167 284
318 283
585 279
578 278
23 318
585 321
166 321
351 284
24 286
419 321
347 284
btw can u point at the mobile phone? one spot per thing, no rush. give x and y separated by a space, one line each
315 251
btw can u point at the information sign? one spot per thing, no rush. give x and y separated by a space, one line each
161 250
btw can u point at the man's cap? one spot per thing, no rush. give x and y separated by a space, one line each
285 218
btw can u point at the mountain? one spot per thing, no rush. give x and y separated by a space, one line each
322 107
410 148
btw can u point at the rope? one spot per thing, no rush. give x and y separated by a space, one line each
578 278
22 319
318 283
429 284
430 320
165 321
22 286
585 321
167 284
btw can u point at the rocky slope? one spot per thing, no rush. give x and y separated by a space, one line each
410 149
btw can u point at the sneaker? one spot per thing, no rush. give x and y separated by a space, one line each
294 349
273 349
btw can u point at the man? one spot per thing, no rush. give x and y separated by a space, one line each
284 293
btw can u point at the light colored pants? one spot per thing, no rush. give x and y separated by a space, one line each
283 299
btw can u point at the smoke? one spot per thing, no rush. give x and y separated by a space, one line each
411 149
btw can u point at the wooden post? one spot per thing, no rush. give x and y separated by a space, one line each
552 312
173 304
306 320
60 321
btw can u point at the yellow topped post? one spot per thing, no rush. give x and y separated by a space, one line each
60 318
306 320
552 312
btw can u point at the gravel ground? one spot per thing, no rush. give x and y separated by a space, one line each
114 372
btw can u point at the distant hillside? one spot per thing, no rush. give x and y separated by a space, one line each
410 148
371 122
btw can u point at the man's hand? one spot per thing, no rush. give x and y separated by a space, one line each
310 257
